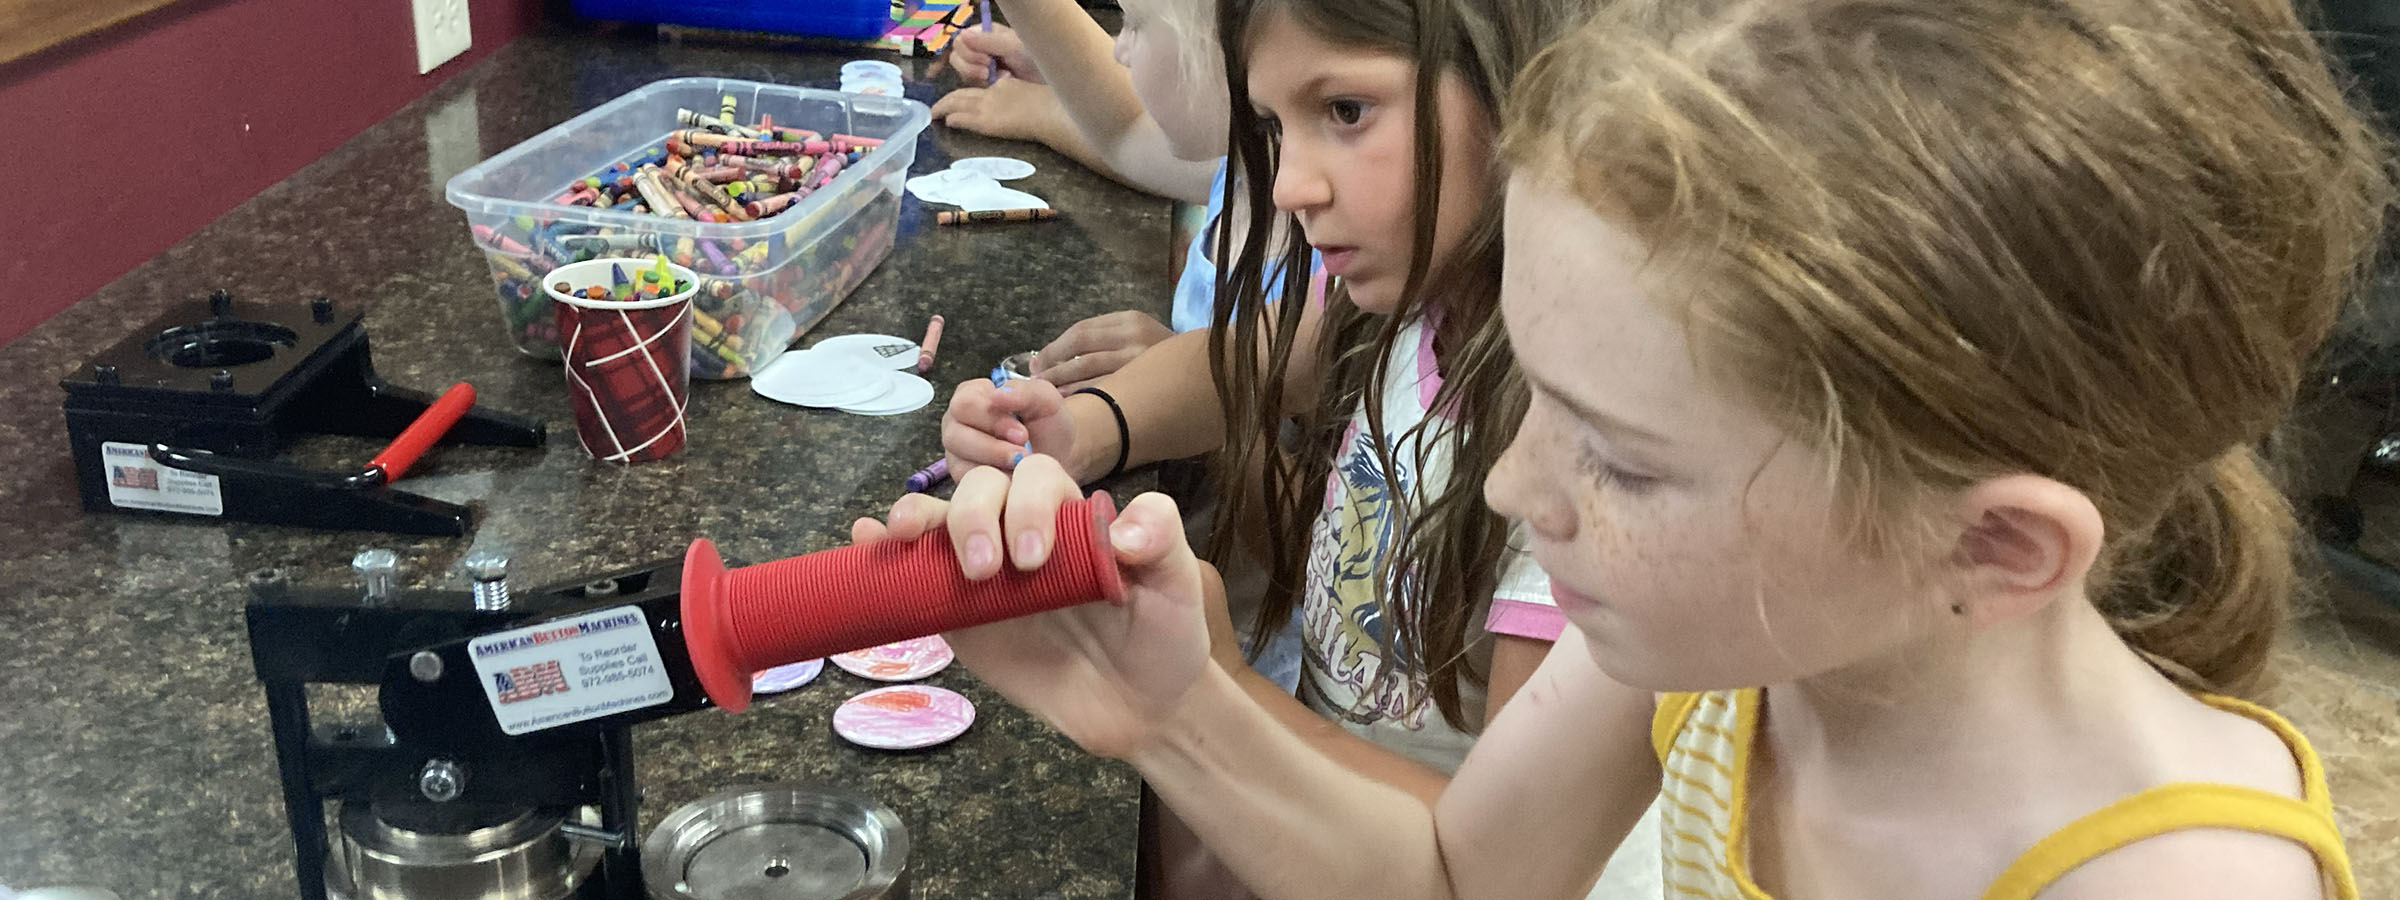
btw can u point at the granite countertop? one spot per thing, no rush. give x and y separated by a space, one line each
134 747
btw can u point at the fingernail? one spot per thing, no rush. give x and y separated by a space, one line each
979 555
1029 549
1013 460
1128 537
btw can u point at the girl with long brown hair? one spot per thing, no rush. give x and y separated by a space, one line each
1367 125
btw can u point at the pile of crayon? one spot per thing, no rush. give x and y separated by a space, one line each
714 170
758 294
656 281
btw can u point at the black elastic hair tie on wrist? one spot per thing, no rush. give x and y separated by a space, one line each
1124 434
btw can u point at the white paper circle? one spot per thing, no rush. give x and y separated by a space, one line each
986 194
904 717
882 349
809 378
906 660
1000 167
939 187
909 393
785 678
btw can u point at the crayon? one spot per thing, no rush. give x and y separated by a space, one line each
602 243
931 476
690 119
960 217
760 209
752 258
692 205
511 267
715 330
932 341
493 237
828 166
646 182
715 196
718 174
772 148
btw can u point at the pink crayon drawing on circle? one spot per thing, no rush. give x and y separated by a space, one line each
903 717
906 660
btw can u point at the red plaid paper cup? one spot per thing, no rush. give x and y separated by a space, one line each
627 362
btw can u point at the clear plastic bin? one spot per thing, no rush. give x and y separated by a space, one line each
764 282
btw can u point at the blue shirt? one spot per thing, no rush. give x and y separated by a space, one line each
1196 291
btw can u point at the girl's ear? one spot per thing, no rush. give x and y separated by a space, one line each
2024 540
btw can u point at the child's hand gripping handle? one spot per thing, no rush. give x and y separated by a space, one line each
835 601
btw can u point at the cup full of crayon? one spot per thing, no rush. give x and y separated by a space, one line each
625 332
780 200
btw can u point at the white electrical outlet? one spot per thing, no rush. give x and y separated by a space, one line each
442 32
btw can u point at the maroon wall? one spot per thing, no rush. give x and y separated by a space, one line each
185 113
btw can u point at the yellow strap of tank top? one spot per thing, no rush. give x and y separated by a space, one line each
2176 807
1667 721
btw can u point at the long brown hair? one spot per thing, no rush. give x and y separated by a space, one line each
1447 549
2095 241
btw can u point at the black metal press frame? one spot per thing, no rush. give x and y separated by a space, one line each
219 389
302 636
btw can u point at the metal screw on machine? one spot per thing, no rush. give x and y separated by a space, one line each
106 374
270 584
377 570
441 781
220 302
425 666
321 309
600 836
221 380
489 568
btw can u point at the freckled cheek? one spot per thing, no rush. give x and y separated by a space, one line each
1638 558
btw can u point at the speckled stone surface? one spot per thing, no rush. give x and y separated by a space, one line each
134 749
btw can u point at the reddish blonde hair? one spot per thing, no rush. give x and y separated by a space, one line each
2094 240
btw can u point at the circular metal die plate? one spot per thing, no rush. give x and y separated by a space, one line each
521 857
784 841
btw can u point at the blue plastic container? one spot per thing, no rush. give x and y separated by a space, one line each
855 20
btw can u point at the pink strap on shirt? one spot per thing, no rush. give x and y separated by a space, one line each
1429 375
1526 619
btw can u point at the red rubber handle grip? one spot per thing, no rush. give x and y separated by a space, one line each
421 434
757 617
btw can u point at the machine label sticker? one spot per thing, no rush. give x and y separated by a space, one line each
568 670
135 481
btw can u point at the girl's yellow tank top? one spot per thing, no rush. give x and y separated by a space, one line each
1704 740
